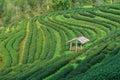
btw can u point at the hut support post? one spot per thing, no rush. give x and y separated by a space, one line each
70 45
76 45
81 46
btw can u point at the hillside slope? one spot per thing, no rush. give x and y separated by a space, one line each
36 48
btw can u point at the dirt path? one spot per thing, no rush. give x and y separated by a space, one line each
22 45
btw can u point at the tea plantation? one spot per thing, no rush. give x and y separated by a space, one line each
36 48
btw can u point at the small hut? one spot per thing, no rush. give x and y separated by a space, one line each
76 43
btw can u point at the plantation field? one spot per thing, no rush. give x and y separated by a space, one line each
36 48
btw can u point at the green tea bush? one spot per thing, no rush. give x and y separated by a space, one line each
32 48
97 59
62 74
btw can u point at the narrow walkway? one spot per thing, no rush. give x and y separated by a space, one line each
22 45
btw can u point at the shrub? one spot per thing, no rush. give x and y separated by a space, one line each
97 59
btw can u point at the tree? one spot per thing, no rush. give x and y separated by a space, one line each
61 4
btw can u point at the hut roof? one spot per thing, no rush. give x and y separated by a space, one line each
81 39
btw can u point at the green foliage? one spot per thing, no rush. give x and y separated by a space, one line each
60 75
103 71
97 59
0 59
1 8
48 70
61 4
35 49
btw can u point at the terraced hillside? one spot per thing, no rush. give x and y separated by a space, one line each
36 48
